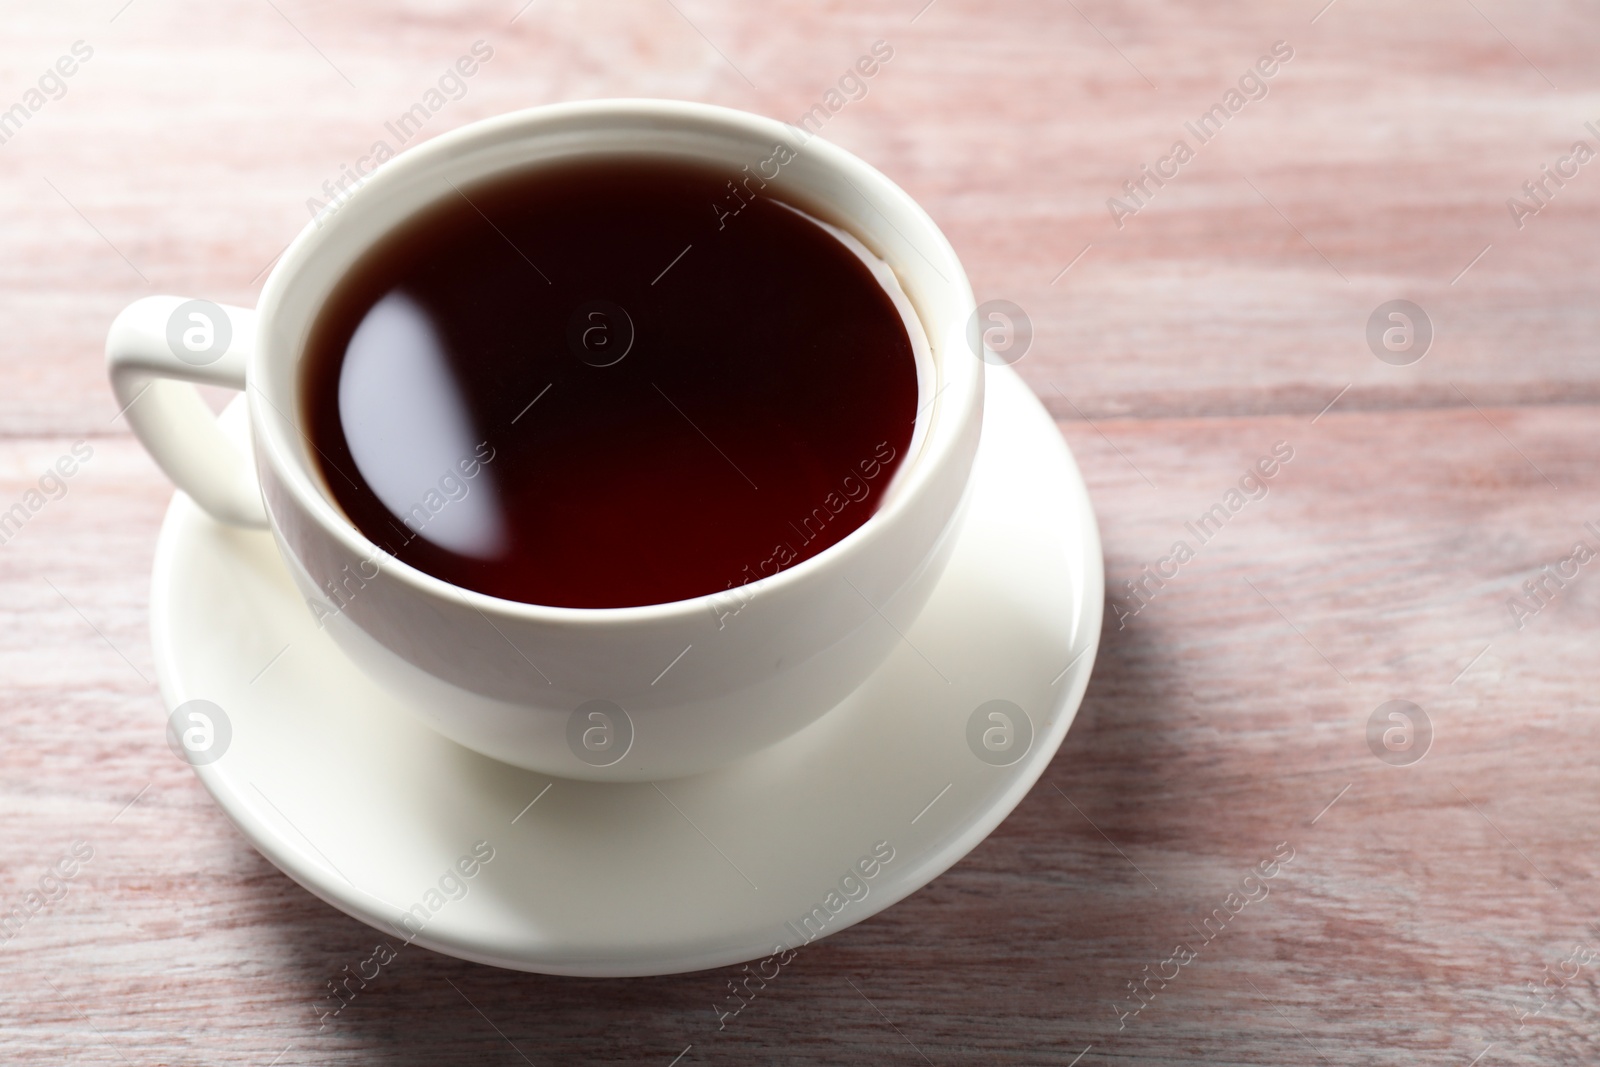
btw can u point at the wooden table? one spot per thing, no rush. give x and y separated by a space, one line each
1228 313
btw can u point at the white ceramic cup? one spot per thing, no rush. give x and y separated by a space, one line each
575 692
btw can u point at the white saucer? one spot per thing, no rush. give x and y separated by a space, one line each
343 789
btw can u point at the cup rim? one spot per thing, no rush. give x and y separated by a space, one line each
962 378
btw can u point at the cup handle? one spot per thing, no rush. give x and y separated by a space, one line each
157 347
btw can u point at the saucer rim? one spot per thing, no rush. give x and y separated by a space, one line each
932 861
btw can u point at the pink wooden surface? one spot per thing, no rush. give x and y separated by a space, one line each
1222 720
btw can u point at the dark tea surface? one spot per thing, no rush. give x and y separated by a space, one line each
597 385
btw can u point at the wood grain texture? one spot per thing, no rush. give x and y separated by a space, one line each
1224 718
